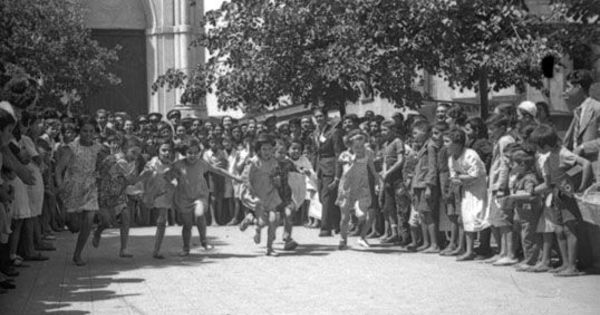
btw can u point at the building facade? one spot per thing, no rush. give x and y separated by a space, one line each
154 36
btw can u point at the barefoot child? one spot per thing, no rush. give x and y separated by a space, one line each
191 193
564 212
355 189
467 171
425 186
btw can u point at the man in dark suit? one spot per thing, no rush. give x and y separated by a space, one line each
329 145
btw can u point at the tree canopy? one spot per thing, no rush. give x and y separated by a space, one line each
48 40
332 52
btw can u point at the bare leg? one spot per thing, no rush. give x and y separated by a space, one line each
345 221
84 234
273 220
124 229
469 254
200 219
186 232
544 264
563 247
161 226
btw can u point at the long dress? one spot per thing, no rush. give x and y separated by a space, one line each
35 192
81 190
474 193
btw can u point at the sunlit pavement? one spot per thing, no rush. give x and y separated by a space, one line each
237 278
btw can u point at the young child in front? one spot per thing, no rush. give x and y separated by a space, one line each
425 187
355 190
468 171
562 207
527 206
261 185
191 194
288 206
158 192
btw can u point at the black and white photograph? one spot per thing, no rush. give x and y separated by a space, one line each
299 157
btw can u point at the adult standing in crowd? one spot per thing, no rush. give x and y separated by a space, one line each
329 144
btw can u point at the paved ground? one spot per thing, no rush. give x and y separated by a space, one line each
236 278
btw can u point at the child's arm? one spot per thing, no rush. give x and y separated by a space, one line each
432 174
371 166
220 171
399 148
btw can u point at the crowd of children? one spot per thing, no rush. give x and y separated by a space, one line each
435 187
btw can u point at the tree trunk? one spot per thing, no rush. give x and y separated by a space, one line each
483 94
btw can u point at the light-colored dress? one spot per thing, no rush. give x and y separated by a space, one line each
81 190
354 192
233 169
474 194
35 192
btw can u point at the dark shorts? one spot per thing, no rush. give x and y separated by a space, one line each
564 202
426 207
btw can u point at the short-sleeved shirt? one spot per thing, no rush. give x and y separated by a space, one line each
391 151
556 164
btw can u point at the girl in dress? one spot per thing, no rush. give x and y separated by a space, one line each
78 185
467 171
191 193
354 192
117 171
262 171
159 192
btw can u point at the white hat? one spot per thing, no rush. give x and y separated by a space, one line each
9 108
529 107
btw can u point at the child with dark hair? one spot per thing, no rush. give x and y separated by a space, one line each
393 160
448 197
158 192
425 187
76 174
191 194
522 182
562 212
498 128
478 140
283 178
116 172
467 171
261 185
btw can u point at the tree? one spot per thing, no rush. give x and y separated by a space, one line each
480 44
48 40
314 52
